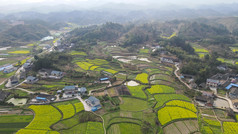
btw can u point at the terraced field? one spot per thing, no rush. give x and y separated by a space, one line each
168 114
66 108
142 78
163 98
12 123
132 104
156 89
137 91
124 128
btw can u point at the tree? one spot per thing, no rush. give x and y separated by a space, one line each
36 57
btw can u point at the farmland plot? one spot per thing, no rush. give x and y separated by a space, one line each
142 78
168 114
163 98
45 116
66 108
155 89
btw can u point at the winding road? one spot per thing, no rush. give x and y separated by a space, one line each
224 98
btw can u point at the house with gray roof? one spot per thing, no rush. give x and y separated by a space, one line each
56 74
27 65
70 90
31 80
233 94
82 90
218 80
52 74
9 69
93 101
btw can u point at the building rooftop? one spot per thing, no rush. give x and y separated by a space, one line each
234 90
31 78
56 72
69 88
93 100
231 85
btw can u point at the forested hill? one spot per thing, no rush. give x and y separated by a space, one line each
200 30
18 35
105 32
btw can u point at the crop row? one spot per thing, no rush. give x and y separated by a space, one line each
168 114
163 98
183 104
160 89
143 77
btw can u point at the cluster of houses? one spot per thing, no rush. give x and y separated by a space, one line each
68 92
14 80
43 98
44 73
170 60
72 91
205 99
228 82
59 46
52 74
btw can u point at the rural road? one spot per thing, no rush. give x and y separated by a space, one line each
85 105
225 98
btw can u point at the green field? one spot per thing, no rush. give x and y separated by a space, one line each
30 131
144 51
19 92
142 78
78 129
182 104
234 49
93 67
66 108
155 89
171 36
201 51
84 65
12 123
132 104
78 106
137 91
163 98
98 61
230 127
168 114
125 128
110 71
78 53
85 128
151 71
20 52
223 60
45 116
95 128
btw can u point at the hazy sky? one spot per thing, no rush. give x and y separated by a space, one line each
139 2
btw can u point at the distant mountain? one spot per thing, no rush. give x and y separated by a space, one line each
122 13
20 34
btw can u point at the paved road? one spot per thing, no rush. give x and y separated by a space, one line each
225 98
86 107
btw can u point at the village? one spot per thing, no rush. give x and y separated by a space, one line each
107 85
